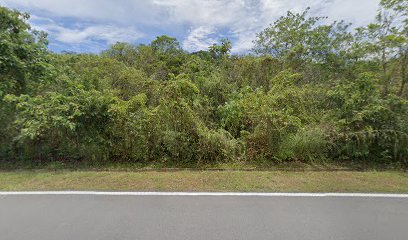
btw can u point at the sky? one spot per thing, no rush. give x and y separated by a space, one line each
93 25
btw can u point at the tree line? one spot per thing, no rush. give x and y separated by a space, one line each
308 91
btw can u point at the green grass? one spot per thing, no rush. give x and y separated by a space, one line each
245 181
259 164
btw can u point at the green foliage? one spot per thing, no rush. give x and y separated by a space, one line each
400 6
310 144
132 130
218 52
297 39
169 52
23 57
24 67
370 126
57 125
312 92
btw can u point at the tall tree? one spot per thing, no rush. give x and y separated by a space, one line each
386 42
23 53
297 39
169 51
400 10
24 65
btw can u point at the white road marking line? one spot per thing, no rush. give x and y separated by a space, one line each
243 194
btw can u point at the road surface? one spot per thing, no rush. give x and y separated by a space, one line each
89 217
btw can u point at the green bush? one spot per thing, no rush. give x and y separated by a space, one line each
218 146
309 144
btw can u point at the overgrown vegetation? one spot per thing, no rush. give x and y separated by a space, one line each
308 91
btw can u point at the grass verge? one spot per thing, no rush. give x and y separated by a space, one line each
231 181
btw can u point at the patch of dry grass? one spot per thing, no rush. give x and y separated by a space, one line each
242 181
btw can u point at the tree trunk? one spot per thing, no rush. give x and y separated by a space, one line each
404 78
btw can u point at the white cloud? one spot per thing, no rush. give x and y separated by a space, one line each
94 36
199 39
244 41
245 18
359 12
118 11
107 33
203 12
198 19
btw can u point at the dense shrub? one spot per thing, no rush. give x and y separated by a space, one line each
309 144
310 91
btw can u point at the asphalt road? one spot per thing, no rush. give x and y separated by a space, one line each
83 217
